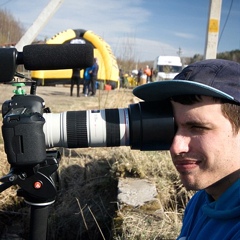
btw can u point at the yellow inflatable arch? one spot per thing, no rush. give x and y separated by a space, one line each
108 68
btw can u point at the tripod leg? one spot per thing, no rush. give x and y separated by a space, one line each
38 222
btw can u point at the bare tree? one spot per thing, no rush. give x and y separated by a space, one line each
126 56
11 29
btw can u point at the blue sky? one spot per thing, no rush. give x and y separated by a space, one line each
149 27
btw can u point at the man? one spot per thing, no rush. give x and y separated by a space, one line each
75 80
147 71
86 82
205 150
93 73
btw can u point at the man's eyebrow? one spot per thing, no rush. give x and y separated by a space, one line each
195 122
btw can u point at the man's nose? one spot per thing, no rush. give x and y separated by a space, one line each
180 144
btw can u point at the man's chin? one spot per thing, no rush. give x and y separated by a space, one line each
189 184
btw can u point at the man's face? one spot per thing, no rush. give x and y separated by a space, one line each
205 148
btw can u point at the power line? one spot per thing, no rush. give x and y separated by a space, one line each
229 11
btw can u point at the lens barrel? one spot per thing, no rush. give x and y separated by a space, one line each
143 126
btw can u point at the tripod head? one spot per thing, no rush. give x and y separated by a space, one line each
36 182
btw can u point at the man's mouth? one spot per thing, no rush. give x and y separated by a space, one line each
186 165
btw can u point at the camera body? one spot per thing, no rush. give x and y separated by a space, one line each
22 129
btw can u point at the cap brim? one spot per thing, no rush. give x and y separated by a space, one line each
161 90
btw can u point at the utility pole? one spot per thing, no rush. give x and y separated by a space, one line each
179 53
38 24
213 29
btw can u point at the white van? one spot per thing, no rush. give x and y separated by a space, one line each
167 67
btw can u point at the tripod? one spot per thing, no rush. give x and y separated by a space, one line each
37 187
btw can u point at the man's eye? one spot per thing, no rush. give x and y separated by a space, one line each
199 128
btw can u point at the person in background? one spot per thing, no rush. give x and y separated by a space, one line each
87 78
205 150
147 71
121 77
93 73
140 73
75 79
151 75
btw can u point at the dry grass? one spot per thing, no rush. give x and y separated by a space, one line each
86 206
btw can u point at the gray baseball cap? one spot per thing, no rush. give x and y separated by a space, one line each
213 77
